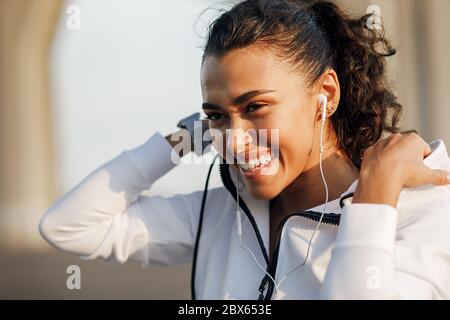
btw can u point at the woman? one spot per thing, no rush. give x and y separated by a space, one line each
317 77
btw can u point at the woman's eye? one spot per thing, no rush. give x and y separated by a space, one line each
214 116
254 107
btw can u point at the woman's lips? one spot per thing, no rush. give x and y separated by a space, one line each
260 171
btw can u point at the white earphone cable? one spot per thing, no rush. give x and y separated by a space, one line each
239 226
321 217
239 223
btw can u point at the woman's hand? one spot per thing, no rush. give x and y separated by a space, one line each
182 141
392 164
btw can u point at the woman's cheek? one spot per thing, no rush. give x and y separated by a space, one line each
294 150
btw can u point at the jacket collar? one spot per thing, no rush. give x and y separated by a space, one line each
438 159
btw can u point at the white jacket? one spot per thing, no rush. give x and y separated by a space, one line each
376 252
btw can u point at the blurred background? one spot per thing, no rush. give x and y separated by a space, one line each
81 81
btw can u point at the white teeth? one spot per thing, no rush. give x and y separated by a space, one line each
263 160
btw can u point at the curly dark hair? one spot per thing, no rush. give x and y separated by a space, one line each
315 36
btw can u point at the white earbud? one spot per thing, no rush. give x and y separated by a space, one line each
323 103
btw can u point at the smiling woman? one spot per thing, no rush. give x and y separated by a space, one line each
315 75
245 53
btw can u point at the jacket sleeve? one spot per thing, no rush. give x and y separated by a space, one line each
105 216
375 258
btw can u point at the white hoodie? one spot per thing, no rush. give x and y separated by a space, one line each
376 252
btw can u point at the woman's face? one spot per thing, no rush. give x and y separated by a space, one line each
280 101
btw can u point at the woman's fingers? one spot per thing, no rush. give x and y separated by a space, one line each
426 150
409 150
435 177
425 176
439 177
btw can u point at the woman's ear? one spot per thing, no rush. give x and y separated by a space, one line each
330 87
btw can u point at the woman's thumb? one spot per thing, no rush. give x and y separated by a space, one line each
439 177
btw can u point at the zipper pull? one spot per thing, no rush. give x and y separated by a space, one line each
263 287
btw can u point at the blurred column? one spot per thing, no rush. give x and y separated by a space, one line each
437 82
419 72
27 176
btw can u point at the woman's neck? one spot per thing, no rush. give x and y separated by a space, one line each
308 191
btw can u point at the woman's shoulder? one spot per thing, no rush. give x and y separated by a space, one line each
427 204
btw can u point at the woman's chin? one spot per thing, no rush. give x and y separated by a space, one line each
263 186
262 191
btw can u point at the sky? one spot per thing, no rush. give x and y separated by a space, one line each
131 68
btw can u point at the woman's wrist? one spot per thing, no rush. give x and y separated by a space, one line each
378 187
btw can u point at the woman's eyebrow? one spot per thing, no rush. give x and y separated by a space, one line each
238 100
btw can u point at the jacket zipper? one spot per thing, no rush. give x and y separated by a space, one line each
229 184
328 218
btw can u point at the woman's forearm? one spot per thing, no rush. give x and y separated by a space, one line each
79 221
